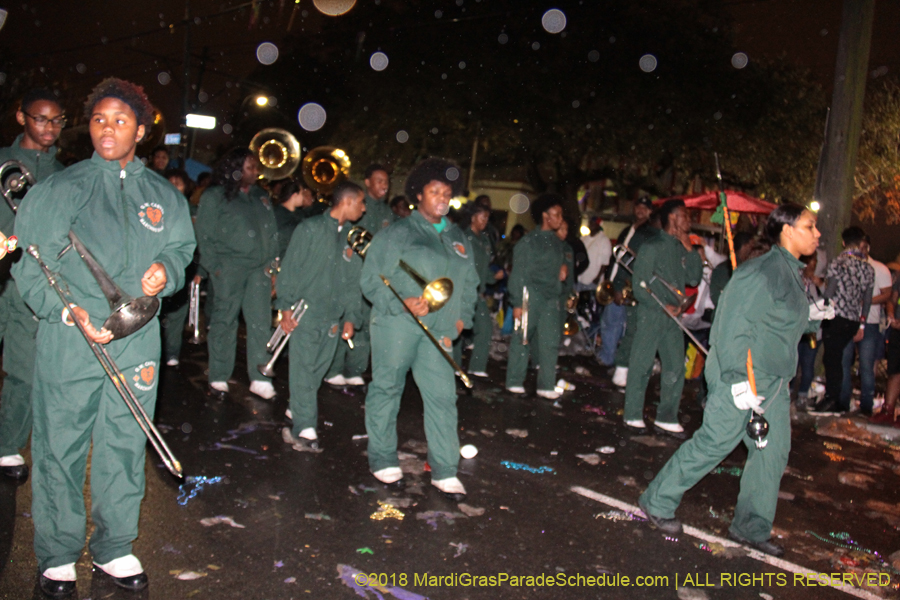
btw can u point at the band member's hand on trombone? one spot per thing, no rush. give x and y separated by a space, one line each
418 306
100 336
154 279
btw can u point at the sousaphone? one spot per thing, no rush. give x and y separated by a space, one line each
278 152
324 168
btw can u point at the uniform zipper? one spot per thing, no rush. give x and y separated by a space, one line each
124 200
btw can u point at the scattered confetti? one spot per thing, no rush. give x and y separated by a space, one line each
221 446
210 521
834 456
733 471
606 450
460 549
855 479
290 580
195 484
593 409
364 551
187 575
832 446
433 516
619 515
523 467
386 511
470 511
591 459
321 516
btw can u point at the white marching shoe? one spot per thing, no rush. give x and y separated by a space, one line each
263 389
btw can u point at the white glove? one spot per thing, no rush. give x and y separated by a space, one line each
744 399
817 313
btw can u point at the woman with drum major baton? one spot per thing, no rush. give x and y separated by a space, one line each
138 228
238 239
434 247
762 309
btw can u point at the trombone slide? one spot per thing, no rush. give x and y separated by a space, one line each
678 322
524 321
194 312
281 339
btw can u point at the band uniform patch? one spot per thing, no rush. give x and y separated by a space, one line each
151 216
460 249
333 331
348 254
145 376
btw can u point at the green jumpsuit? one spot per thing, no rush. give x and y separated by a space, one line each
238 240
18 325
623 353
321 269
667 258
353 363
287 222
129 219
482 324
537 259
175 309
764 309
398 344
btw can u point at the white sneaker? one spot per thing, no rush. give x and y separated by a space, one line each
337 380
478 373
309 434
451 486
516 389
300 444
289 414
657 366
637 423
565 385
388 475
549 394
263 389
15 460
219 386
172 362
671 427
124 566
61 573
355 380
620 377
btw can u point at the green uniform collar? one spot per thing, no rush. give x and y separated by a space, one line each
17 144
134 167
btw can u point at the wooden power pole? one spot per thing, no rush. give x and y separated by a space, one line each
835 186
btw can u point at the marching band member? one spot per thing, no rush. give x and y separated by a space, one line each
763 309
668 256
482 325
539 265
433 246
42 120
320 269
238 240
139 229
350 363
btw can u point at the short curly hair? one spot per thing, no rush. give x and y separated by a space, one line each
433 169
542 204
131 94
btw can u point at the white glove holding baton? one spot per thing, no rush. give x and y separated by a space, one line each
817 313
744 398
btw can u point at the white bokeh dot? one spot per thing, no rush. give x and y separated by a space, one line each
227 128
164 78
519 203
311 116
554 20
267 53
648 63
402 136
452 174
502 38
739 60
378 61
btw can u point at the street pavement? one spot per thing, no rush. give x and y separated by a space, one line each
256 520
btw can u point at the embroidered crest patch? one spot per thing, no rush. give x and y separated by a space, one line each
151 216
144 377
460 249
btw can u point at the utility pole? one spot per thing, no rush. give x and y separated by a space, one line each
835 185
186 83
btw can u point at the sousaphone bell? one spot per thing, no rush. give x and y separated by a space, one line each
278 152
324 168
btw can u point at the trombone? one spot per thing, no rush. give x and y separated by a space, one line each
194 312
280 339
523 322
681 308
114 374
605 292
14 183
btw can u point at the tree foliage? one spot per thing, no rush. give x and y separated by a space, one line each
877 179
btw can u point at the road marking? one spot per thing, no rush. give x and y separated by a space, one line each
755 554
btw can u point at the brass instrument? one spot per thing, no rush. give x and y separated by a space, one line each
127 314
278 152
359 239
571 327
684 302
605 291
17 182
324 168
436 293
154 135
456 368
678 322
523 322
280 339
115 375
194 313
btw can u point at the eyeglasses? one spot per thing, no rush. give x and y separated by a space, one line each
41 120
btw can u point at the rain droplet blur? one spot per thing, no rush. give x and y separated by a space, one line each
462 64
202 97
186 428
378 61
717 115
739 60
402 136
593 56
452 174
81 68
311 116
536 46
164 78
554 20
227 129
236 175
267 53
2 78
434 130
519 203
333 8
612 39
502 38
443 76
576 104
648 63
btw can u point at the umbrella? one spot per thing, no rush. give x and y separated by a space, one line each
737 202
195 167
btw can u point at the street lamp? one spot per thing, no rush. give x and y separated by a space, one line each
262 100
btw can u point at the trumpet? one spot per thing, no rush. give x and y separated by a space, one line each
280 339
14 183
194 312
523 322
456 368
605 292
115 375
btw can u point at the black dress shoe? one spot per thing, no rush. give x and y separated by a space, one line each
56 589
767 547
670 526
18 472
825 406
678 435
134 583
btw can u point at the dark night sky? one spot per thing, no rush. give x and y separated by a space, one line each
75 44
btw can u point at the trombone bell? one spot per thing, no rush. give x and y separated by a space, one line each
436 293
278 152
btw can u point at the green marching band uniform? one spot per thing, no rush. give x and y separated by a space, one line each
641 236
128 219
175 309
763 309
320 269
537 259
655 331
238 241
353 362
18 324
482 325
398 344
